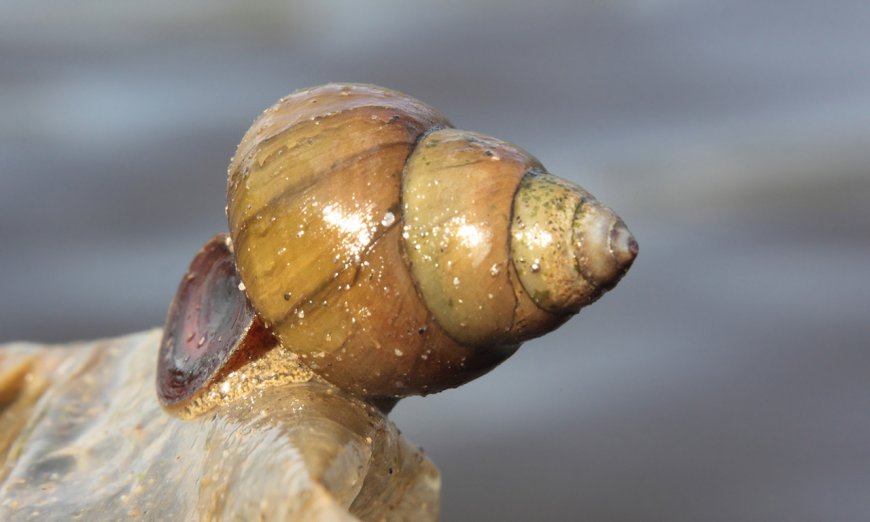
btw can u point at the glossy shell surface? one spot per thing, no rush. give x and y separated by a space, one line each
376 241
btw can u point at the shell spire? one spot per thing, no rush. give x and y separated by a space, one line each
568 247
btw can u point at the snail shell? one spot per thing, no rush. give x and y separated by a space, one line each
397 255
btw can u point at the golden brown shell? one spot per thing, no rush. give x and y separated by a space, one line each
378 243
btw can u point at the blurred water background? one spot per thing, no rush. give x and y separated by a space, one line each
725 379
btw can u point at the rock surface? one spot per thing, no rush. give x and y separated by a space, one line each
82 437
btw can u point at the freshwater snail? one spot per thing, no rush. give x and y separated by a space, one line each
393 254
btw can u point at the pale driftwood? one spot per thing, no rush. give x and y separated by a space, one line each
83 437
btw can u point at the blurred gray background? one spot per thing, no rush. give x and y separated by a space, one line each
725 379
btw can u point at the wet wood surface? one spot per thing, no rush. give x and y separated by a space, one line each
82 437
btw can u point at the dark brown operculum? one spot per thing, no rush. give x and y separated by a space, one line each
210 329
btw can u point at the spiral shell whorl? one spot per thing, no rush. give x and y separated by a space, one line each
457 198
314 212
